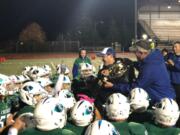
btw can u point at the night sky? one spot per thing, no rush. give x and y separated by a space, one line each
56 16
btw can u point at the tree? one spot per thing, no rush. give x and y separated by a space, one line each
33 33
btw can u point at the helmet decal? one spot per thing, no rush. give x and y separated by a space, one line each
99 123
88 111
59 108
80 104
28 88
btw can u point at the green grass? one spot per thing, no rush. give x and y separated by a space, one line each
14 67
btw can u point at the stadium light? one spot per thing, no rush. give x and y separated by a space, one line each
150 40
169 7
144 36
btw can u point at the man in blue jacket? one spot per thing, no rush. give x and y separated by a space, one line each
153 75
173 64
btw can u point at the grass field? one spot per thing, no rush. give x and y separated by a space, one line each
14 65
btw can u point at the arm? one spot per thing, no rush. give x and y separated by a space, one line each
173 65
136 65
16 127
59 83
143 80
9 122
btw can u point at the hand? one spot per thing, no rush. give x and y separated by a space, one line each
105 72
9 120
19 124
108 84
170 62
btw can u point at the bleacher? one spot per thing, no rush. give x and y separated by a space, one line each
165 25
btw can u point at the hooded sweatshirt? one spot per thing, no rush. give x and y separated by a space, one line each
153 77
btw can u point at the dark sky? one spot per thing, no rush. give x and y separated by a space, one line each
55 16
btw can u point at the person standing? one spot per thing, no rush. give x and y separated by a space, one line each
173 64
153 75
83 58
113 70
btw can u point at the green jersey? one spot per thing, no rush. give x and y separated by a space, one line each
77 130
5 110
141 117
54 78
14 101
157 130
130 128
35 131
25 109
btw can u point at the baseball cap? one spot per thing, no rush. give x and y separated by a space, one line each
143 44
107 51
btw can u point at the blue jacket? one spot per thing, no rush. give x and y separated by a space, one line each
174 71
153 77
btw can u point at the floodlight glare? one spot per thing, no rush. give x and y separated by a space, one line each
144 36
169 7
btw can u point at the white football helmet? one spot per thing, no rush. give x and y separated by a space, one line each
4 80
24 78
44 81
14 78
62 68
139 100
166 112
32 68
29 90
19 78
38 72
86 70
50 114
48 69
117 107
101 127
66 80
26 70
82 113
66 98
7 84
3 91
